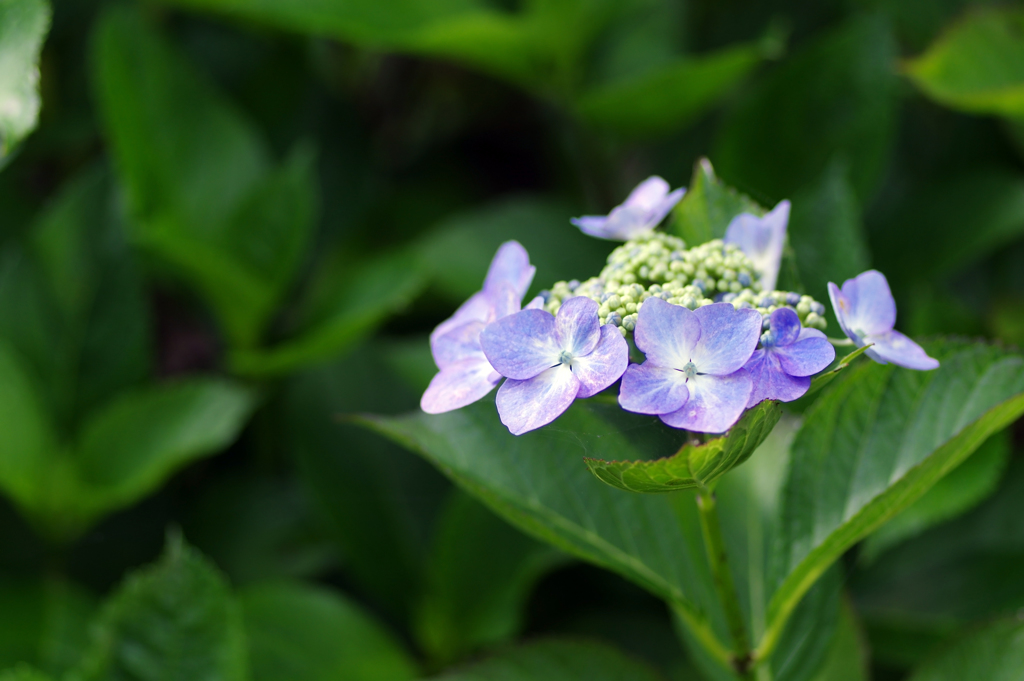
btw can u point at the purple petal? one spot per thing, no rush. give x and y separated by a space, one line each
577 326
872 310
458 344
530 404
604 365
658 212
522 345
648 194
593 225
771 382
785 326
459 384
894 347
841 305
762 240
535 304
810 333
667 334
805 357
477 308
511 264
728 337
715 404
650 389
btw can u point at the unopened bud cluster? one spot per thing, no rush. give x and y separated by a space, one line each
659 265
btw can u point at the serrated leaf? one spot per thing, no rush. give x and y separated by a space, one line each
977 65
23 26
708 207
670 96
306 633
175 620
694 465
555 661
876 442
995 653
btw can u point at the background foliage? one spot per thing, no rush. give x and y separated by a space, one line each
225 223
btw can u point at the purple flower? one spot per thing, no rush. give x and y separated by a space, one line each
693 377
552 360
465 375
781 369
762 240
867 312
642 210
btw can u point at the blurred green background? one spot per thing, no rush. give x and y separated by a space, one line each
235 220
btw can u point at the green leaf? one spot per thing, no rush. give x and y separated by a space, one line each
694 465
826 233
43 623
669 97
875 443
847 656
23 673
362 301
995 653
821 380
977 65
130 446
305 633
479 574
23 25
173 620
965 487
555 661
708 207
835 97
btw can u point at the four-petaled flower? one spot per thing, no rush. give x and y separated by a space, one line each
464 374
642 210
549 361
693 377
761 240
867 313
789 355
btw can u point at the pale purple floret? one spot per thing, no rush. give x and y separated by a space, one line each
867 313
643 209
464 374
552 360
782 368
761 240
693 377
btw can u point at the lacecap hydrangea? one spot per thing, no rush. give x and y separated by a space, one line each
716 335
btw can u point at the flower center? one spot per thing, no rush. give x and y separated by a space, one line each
565 358
768 338
690 370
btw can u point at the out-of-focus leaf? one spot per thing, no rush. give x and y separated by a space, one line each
995 653
199 178
555 661
669 97
977 65
458 251
23 673
478 577
875 443
361 301
965 487
826 233
23 25
43 623
847 657
134 443
410 359
173 620
952 223
835 97
708 207
305 633
695 464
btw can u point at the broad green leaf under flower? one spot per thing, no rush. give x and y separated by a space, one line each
23 25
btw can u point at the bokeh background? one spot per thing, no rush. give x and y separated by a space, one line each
238 220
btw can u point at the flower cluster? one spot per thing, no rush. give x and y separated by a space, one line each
716 337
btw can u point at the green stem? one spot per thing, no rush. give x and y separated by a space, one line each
717 559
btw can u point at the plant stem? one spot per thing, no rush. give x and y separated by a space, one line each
717 559
841 342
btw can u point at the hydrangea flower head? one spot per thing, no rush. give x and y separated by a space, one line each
643 209
789 355
551 360
464 374
866 311
693 377
762 240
